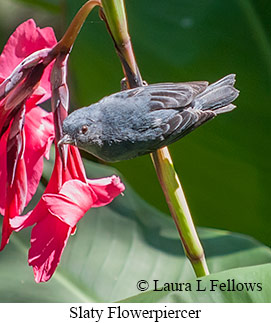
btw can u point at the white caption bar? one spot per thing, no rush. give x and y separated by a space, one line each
145 312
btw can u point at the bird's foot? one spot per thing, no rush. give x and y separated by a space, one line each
124 85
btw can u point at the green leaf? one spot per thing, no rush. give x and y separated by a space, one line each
116 246
224 166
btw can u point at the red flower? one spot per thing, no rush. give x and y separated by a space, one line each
26 133
26 130
68 196
25 40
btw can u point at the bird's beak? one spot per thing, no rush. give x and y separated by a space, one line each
66 139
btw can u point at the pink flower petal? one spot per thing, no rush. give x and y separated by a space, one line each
48 240
34 216
39 132
73 201
38 96
21 222
75 164
106 189
25 40
15 202
16 196
6 232
3 172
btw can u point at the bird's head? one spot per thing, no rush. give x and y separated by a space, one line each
79 129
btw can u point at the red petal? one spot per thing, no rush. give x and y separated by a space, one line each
106 189
15 144
3 172
23 221
39 132
16 195
73 201
34 216
48 240
15 201
37 97
27 39
75 165
6 232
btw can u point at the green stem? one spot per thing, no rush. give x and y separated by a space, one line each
179 210
115 18
114 15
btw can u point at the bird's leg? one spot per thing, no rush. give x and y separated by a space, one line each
124 85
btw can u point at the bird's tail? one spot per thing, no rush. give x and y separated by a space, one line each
218 96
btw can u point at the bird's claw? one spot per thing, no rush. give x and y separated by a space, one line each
124 85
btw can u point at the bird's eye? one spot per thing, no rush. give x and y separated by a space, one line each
84 129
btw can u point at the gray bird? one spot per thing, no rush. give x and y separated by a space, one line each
139 121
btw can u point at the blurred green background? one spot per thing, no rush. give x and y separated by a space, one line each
224 166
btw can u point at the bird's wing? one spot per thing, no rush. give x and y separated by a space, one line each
179 125
185 121
172 95
163 107
157 96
